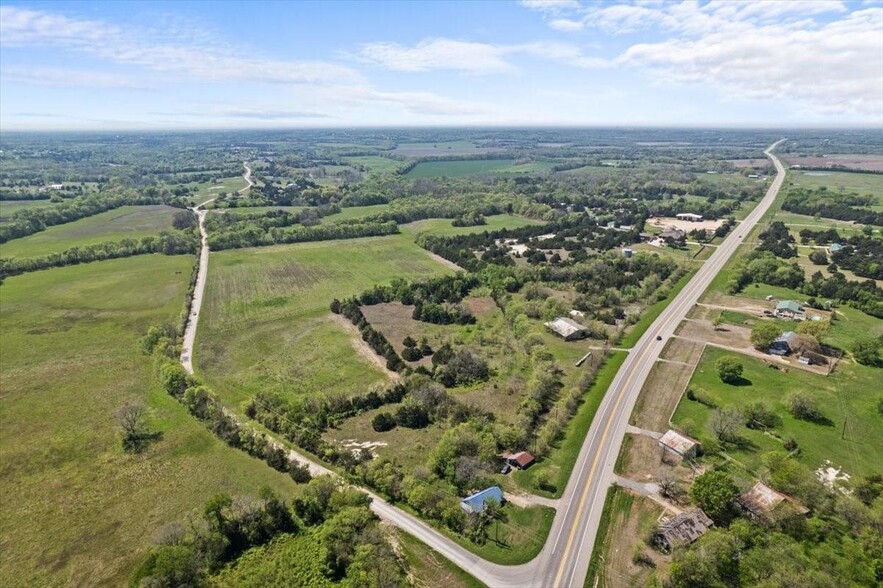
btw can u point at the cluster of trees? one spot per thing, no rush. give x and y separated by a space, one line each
777 240
251 236
837 544
352 548
469 220
303 419
167 243
861 254
271 219
841 206
414 352
764 267
866 296
442 314
33 220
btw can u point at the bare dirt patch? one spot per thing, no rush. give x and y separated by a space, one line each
725 335
393 320
683 351
684 225
755 163
660 395
481 306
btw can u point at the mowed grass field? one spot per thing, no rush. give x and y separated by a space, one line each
126 222
266 324
77 511
850 182
849 394
443 226
374 163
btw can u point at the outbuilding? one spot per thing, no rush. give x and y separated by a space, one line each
568 329
477 502
521 460
782 344
681 445
682 529
761 500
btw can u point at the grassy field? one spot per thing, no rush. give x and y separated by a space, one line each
834 181
517 540
374 163
560 463
429 568
626 521
76 509
460 169
208 190
266 323
849 394
257 209
356 212
8 207
443 226
126 222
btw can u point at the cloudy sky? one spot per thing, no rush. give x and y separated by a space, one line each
139 65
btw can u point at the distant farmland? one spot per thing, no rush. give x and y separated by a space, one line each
463 168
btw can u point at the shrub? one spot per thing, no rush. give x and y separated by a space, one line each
411 354
866 351
804 408
383 422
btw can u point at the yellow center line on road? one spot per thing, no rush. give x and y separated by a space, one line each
585 493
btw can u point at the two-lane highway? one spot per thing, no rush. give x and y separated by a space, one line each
576 524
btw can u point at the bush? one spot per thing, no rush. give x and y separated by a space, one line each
299 472
411 354
729 370
818 257
412 416
804 408
866 351
383 422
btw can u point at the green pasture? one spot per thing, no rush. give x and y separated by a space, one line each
848 397
77 510
266 323
126 222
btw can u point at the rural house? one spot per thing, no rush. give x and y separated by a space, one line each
761 500
789 309
672 234
682 529
835 248
567 329
782 344
521 460
681 445
476 503
689 216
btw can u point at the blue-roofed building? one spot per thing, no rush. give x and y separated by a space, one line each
475 504
835 247
782 344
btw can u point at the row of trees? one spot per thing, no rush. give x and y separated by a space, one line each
250 236
167 243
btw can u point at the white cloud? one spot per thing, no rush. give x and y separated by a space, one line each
831 68
550 6
567 25
63 77
469 57
203 60
433 54
192 54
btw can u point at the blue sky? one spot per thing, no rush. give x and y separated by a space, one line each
144 65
